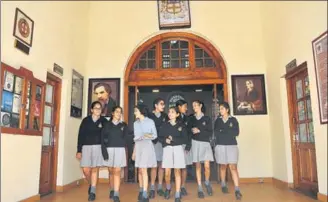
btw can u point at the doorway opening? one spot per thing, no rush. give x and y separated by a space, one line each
171 94
49 155
170 64
302 131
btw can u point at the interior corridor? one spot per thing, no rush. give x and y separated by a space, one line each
251 193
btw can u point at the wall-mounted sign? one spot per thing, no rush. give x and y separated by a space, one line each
291 65
58 69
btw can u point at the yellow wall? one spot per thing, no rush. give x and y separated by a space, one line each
55 40
117 28
289 28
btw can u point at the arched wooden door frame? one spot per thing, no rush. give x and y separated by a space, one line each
160 77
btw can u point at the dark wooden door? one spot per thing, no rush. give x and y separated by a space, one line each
50 135
302 133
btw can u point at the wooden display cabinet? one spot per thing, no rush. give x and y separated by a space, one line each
22 101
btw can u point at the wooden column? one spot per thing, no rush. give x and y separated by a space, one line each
215 94
136 95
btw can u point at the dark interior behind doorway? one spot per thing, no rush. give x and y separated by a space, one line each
170 94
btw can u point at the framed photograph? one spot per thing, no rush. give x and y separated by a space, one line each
76 95
319 47
173 14
248 94
105 90
23 27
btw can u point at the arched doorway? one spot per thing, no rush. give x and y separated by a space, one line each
158 62
173 59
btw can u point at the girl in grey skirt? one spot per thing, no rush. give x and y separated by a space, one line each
201 129
159 117
113 144
89 147
182 106
226 130
173 136
145 157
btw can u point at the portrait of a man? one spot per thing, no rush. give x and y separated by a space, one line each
249 94
106 91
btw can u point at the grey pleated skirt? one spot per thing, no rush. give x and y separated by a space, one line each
159 151
226 154
188 156
201 151
173 157
145 154
116 157
91 156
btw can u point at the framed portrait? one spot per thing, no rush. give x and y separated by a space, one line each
106 91
23 27
248 94
319 47
173 14
76 95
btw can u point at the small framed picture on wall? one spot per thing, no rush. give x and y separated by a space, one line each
319 46
76 95
23 27
248 94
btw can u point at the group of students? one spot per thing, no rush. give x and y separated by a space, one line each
162 142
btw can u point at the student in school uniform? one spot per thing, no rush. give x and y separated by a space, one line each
173 136
159 117
89 147
201 128
113 144
110 176
145 157
226 130
182 106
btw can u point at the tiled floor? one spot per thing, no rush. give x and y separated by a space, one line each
251 193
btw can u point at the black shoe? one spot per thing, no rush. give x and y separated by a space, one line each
140 196
111 194
160 192
89 190
209 190
201 194
238 195
116 199
151 194
167 193
177 199
184 192
225 190
145 200
92 197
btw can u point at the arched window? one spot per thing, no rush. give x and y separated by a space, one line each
174 59
173 54
147 59
203 58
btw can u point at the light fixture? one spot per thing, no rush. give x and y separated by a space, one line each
198 90
155 90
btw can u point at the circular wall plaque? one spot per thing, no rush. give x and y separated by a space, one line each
173 98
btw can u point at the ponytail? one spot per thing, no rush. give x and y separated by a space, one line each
203 109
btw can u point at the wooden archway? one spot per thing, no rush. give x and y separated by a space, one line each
174 76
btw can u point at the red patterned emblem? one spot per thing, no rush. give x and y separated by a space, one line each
24 28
